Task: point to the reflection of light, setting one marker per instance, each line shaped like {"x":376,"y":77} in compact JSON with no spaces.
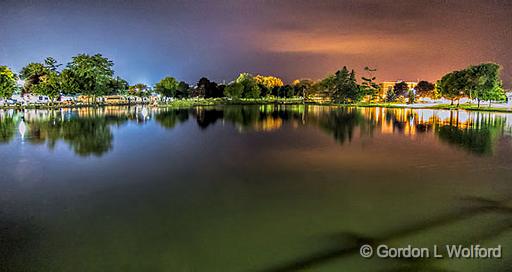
{"x":443,"y":115}
{"x":144,"y":113}
{"x":425,"y":115}
{"x":22,"y":128}
{"x":463,"y":116}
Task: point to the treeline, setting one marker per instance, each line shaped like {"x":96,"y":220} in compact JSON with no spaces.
{"x":92,"y":75}
{"x":480,"y":82}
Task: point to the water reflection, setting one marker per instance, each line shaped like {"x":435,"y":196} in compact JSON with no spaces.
{"x":7,"y":127}
{"x":88,"y":130}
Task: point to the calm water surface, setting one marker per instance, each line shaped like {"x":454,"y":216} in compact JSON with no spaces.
{"x":256,"y":188}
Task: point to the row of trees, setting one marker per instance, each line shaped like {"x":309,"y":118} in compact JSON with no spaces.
{"x":86,"y":74}
{"x":92,"y":75}
{"x":481,"y":82}
{"x":244,"y":86}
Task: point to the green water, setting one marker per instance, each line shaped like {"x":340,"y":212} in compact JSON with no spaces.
{"x":256,"y":188}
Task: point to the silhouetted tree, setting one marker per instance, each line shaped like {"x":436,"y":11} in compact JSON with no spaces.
{"x":425,"y":89}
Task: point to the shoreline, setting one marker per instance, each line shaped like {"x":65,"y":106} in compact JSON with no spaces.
{"x":187,"y":103}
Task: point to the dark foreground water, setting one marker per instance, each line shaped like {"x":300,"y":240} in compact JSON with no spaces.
{"x":259,"y":188}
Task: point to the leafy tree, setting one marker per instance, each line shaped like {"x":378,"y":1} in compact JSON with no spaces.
{"x":234,"y":90}
{"x":7,"y":82}
{"x":368,"y":86}
{"x":183,"y":90}
{"x":286,"y":91}
{"x":425,"y":89}
{"x":213,"y":90}
{"x":327,"y":85}
{"x":481,"y":82}
{"x":267,"y":83}
{"x":88,"y":75}
{"x":208,"y":89}
{"x":251,"y":89}
{"x":453,"y":85}
{"x":400,"y":89}
{"x":32,"y":74}
{"x":167,"y":87}
{"x":139,"y":89}
{"x":346,"y":88}
{"x":200,"y":89}
{"x":117,"y":85}
{"x":484,"y":82}
{"x":49,"y":85}
{"x":304,"y":87}
{"x":51,"y":64}
{"x":412,"y":97}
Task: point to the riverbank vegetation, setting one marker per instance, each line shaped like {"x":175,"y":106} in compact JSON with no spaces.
{"x":90,"y":80}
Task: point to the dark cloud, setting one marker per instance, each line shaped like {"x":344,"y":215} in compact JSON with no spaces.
{"x":292,"y":39}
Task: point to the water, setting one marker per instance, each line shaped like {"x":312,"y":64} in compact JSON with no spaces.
{"x":255,"y":188}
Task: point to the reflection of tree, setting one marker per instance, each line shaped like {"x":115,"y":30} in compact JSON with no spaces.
{"x":7,"y":128}
{"x":89,"y":135}
{"x":480,"y":137}
{"x":342,"y":122}
{"x":169,"y":118}
{"x":261,"y":118}
{"x":206,"y":117}
{"x":244,"y":116}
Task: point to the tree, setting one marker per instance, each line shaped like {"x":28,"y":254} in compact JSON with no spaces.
{"x":213,"y":90}
{"x":51,"y":64}
{"x":32,"y":74}
{"x":412,"y":97}
{"x":139,"y":89}
{"x":167,"y":87}
{"x":286,"y":91}
{"x":304,"y":87}
{"x":481,"y":82}
{"x":49,"y":85}
{"x":183,"y":90}
{"x":251,"y":89}
{"x":484,"y":82}
{"x":208,"y":89}
{"x":425,"y":89}
{"x":400,"y":89}
{"x":452,"y":86}
{"x":346,"y":87}
{"x":88,"y":75}
{"x":7,"y":82}
{"x":200,"y":89}
{"x":267,"y":83}
{"x":368,"y":86}
{"x":117,"y":86}
{"x":234,"y":90}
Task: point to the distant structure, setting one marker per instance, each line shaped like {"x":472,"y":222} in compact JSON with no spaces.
{"x":387,"y":86}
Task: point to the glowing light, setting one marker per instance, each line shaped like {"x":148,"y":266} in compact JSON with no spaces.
{"x":22,"y":128}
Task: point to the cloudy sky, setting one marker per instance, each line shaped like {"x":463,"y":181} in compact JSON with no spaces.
{"x":150,"y":39}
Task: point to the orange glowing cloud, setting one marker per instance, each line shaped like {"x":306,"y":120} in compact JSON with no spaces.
{"x":299,"y":42}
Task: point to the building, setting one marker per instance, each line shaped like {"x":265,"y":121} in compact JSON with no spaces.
{"x":387,"y":86}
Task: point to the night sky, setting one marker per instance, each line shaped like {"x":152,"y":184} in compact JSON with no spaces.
{"x":150,"y":39}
